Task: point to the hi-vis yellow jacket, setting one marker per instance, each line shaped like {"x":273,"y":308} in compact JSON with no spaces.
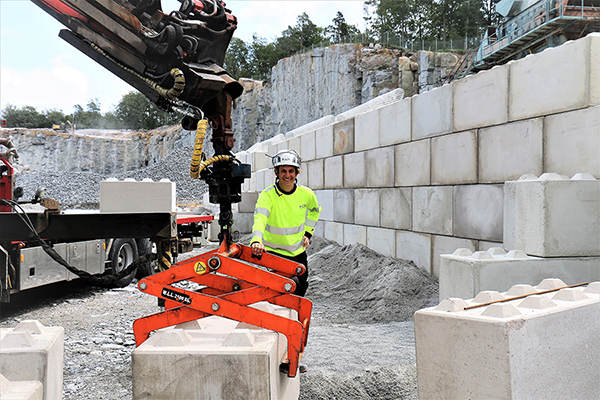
{"x":280,"y":219}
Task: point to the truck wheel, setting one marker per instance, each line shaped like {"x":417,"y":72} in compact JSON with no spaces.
{"x":122,"y":253}
{"x":145,"y":246}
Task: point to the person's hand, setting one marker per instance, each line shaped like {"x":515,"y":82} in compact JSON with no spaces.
{"x":305,"y":242}
{"x":257,"y":249}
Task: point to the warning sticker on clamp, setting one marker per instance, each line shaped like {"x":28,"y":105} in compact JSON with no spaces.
{"x":200,"y":268}
{"x":176,"y":296}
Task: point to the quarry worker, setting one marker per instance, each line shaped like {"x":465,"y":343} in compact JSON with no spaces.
{"x":285,"y":216}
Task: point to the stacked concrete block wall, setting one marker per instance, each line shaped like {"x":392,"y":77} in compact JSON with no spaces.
{"x":20,"y":390}
{"x":425,"y":175}
{"x":31,"y":352}
{"x":526,"y":343}
{"x":214,"y":358}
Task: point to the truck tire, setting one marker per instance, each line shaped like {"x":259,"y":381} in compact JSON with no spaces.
{"x":145,"y":246}
{"x":122,"y":253}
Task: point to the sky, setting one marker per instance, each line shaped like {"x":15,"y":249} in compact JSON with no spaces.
{"x":40,"y":69}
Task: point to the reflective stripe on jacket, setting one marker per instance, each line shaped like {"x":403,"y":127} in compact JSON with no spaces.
{"x":280,"y":219}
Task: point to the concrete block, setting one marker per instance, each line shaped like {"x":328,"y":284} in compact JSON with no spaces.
{"x":242,"y":222}
{"x":264,"y":178}
{"x":556,"y":86}
{"x":380,"y":167}
{"x":284,"y":145}
{"x":343,"y":206}
{"x":412,"y":163}
{"x":273,"y":149}
{"x":464,"y":273}
{"x":319,"y":229}
{"x":248,"y":202}
{"x":258,"y":160}
{"x":508,"y":151}
{"x":478,"y":211}
{"x":447,"y":245}
{"x":396,"y":208}
{"x":20,"y":390}
{"x":366,"y":207}
{"x":355,"y":170}
{"x":137,"y":196}
{"x":415,"y":247}
{"x":334,"y":172}
{"x":432,"y":113}
{"x":324,"y":142}
{"x":302,"y":179}
{"x":308,"y":146}
{"x":366,"y":130}
{"x":454,"y":159}
{"x":33,"y":352}
{"x":484,"y":245}
{"x":343,"y":137}
{"x":295,"y":144}
{"x":315,"y":174}
{"x":540,"y":347}
{"x":334,"y":231}
{"x":355,"y":234}
{"x":395,"y":123}
{"x":553,"y":216}
{"x":382,"y":240}
{"x":220,"y":348}
{"x":325,"y":198}
{"x":572,"y":142}
{"x":432,"y":209}
{"x":481,"y":99}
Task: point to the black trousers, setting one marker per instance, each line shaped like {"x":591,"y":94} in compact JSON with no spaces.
{"x":302,"y":284}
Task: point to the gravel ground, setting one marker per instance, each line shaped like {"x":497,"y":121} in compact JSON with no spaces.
{"x":349,"y":356}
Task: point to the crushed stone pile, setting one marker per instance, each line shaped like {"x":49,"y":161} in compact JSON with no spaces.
{"x":82,"y":189}
{"x":359,"y":285}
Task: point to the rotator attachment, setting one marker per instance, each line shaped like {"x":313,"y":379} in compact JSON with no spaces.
{"x":229,"y":294}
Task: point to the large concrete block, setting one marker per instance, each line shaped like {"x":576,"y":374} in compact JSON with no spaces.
{"x":366,"y":207}
{"x":355,"y":170}
{"x":395,"y":123}
{"x":334,"y":172}
{"x":396,"y":208}
{"x":572,"y":142}
{"x":324,"y":142}
{"x":464,"y":273}
{"x":355,"y":234}
{"x":334,"y":231}
{"x":302,"y":179}
{"x":478,"y":211}
{"x":543,"y":346}
{"x":553,"y":216}
{"x":295,"y":144}
{"x":222,"y":359}
{"x":366,"y":130}
{"x":415,"y":247}
{"x":308,"y":146}
{"x":20,"y":390}
{"x":248,"y":202}
{"x":544,"y":83}
{"x":130,"y":195}
{"x":259,"y":160}
{"x":432,"y":209}
{"x":432,"y":113}
{"x":508,"y":151}
{"x":382,"y":240}
{"x":454,"y":159}
{"x":343,"y":137}
{"x":380,"y":167}
{"x":325,"y":198}
{"x":315,"y":174}
{"x":447,"y":245}
{"x":33,"y":352}
{"x":481,"y":99}
{"x":412,"y":163}
{"x":343,"y":206}
{"x":242,"y":222}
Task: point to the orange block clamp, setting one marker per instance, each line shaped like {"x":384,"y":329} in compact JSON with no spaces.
{"x":230,"y":284}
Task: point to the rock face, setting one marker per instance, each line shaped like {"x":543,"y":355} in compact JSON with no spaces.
{"x":434,"y":68}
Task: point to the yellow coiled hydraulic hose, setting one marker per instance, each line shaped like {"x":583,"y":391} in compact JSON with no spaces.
{"x":213,"y":160}
{"x":198,"y":147}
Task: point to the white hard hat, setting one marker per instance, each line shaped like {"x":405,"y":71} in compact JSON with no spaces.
{"x":287,"y":157}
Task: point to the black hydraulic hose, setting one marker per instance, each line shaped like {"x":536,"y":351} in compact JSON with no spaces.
{"x":98,"y":280}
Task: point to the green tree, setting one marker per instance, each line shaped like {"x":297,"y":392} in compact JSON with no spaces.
{"x":340,"y":30}
{"x":25,"y":117}
{"x":263,"y":56}
{"x":237,"y":61}
{"x":304,"y":34}
{"x":90,"y":117}
{"x":55,"y":117}
{"x":135,"y":111}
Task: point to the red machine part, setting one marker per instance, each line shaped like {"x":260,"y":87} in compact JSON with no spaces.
{"x":229,"y":293}
{"x":7,"y":183}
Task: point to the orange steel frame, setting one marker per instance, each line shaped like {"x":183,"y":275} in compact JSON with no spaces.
{"x":231,"y":283}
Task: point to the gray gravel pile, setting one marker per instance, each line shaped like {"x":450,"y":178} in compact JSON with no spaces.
{"x":82,"y":189}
